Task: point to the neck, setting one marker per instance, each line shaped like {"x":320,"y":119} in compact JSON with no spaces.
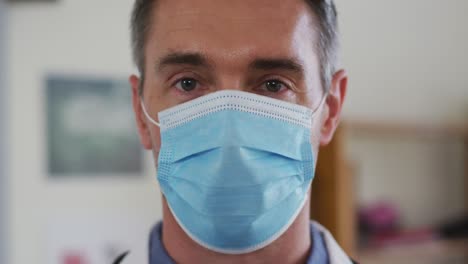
{"x":291,"y":248}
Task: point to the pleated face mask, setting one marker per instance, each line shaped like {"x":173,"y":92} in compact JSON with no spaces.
{"x":235,"y":168}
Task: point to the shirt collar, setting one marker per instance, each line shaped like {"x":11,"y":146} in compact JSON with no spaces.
{"x":158,"y":254}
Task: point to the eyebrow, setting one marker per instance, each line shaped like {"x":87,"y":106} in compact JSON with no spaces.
{"x":179,"y":58}
{"x":200,"y":60}
{"x":277,"y":64}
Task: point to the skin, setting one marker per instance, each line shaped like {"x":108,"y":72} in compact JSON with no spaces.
{"x":238,"y":45}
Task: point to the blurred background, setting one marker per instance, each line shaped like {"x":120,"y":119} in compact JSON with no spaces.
{"x":76,"y":188}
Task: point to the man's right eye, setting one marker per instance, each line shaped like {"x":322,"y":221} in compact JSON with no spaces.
{"x":186,"y":84}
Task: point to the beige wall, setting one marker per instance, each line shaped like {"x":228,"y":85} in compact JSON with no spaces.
{"x":84,"y":37}
{"x":406,"y":59}
{"x":3,"y":136}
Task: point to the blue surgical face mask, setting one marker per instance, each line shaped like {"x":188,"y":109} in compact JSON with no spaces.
{"x":235,"y":168}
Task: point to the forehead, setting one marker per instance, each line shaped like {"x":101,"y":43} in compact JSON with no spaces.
{"x":227,"y":28}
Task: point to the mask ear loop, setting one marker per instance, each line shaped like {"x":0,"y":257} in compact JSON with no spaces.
{"x":322,"y":102}
{"x":147,"y":115}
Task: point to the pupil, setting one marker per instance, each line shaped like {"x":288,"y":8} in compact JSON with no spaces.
{"x":188,"y":84}
{"x":273,"y":86}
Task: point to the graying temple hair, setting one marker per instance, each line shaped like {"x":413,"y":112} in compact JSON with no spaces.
{"x":327,"y":46}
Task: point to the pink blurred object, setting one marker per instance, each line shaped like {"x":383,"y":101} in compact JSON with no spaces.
{"x":379,"y":218}
{"x":74,"y":258}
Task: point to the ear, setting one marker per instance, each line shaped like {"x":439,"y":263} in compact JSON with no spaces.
{"x":333,"y":106}
{"x":142,"y":126}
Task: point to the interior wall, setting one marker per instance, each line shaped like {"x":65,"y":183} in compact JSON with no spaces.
{"x":407,"y":60}
{"x":3,"y":140}
{"x":84,"y":37}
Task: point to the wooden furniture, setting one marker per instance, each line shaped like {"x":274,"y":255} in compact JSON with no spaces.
{"x":466,"y":171}
{"x":332,"y":201}
{"x":445,"y":132}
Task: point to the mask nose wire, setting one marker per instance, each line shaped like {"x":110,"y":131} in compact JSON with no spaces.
{"x":147,"y":115}
{"x":314,"y":112}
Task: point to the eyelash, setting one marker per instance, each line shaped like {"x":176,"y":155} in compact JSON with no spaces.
{"x":262,"y":84}
{"x":286,"y":86}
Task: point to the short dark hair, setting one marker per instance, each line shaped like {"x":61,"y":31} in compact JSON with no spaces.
{"x":327,"y":45}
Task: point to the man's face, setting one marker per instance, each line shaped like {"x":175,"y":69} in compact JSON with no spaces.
{"x":199,"y":47}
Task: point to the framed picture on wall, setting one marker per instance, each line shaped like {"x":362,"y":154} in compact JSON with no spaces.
{"x":90,"y":127}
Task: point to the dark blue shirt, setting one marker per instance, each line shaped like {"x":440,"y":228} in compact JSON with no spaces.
{"x":158,"y":254}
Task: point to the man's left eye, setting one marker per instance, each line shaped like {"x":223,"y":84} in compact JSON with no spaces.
{"x":274,"y":86}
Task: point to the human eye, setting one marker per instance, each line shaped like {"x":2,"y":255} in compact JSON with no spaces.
{"x":187,"y":84}
{"x":274,"y":86}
